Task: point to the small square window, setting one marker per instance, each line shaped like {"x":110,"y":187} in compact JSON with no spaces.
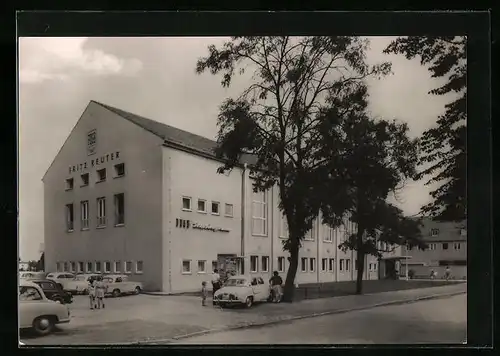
{"x":265,"y":264}
{"x":117,"y":266}
{"x":107,"y":267}
{"x":215,"y":208}
{"x":128,"y":267}
{"x":202,"y":206}
{"x":69,"y":183}
{"x":186,"y":266}
{"x":101,"y":175}
{"x":303,"y":264}
{"x":445,"y":245}
{"x":186,"y":203}
{"x":434,"y":232}
{"x":85,"y":179}
{"x":253,"y":263}
{"x":228,"y":211}
{"x":119,"y":170}
{"x":138,"y":267}
{"x":202,"y":265}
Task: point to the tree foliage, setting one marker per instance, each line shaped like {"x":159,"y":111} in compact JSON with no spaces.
{"x":444,"y":145}
{"x":279,"y":118}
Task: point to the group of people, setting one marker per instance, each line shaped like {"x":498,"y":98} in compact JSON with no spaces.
{"x":97,"y":289}
{"x":447,"y":273}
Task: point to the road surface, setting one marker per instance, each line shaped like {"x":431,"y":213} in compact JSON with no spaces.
{"x":433,"y":321}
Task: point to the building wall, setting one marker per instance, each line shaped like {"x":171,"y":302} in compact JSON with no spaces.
{"x":140,"y":238}
{"x":188,"y":175}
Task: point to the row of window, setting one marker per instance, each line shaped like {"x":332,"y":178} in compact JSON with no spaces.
{"x":101,"y":176}
{"x":435,"y":232}
{"x":444,"y":246}
{"x":202,"y":207}
{"x":100,"y":267}
{"x":119,"y":213}
{"x":201,"y":267}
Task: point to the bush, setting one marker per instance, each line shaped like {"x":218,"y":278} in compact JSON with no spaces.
{"x":411,"y":274}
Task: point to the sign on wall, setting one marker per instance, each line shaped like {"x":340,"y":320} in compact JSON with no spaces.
{"x":186,"y":224}
{"x":91,"y":142}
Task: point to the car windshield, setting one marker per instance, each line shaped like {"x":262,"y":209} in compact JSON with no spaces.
{"x":232,"y":282}
{"x":28,"y":294}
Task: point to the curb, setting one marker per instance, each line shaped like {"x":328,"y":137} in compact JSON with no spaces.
{"x":299,"y":317}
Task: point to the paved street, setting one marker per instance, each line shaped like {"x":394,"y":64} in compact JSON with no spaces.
{"x":433,"y":321}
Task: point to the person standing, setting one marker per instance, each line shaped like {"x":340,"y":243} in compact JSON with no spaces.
{"x":100,"y":291}
{"x":204,"y":292}
{"x":447,"y":273}
{"x":215,"y":281}
{"x":276,"y":283}
{"x":91,"y":290}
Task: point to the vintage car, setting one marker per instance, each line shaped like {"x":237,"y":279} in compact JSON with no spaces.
{"x":38,"y":313}
{"x":61,"y":278}
{"x":80,"y":284}
{"x":53,"y":291}
{"x":242,"y":290}
{"x":25,"y":275}
{"x":119,"y":284}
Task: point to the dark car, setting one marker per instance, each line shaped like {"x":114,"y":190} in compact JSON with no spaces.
{"x":53,"y":291}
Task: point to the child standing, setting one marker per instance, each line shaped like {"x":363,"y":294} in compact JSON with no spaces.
{"x":204,"y":293}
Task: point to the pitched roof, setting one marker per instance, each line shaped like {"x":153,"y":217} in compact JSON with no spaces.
{"x":173,"y":135}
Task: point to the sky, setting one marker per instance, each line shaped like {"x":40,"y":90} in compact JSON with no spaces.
{"x":155,"y":78}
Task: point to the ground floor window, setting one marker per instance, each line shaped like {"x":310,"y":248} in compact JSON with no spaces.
{"x":281,"y":264}
{"x":324,"y":264}
{"x":265,"y":263}
{"x":117,"y":266}
{"x":98,"y":267}
{"x":89,"y":267}
{"x":331,"y":264}
{"x":128,"y":267}
{"x":186,"y":266}
{"x":80,"y":267}
{"x":202,"y":268}
{"x":347,"y":265}
{"x":66,"y":267}
{"x":215,"y":265}
{"x":139,"y":267}
{"x":303,"y":264}
{"x":107,"y":267}
{"x":58,"y":267}
{"x":312,"y":264}
{"x":73,"y":267}
{"x":253,"y":263}
{"x":341,"y":264}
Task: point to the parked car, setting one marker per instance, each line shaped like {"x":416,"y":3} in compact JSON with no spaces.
{"x":242,"y":290}
{"x":31,"y":275}
{"x":38,"y":313}
{"x":53,"y":291}
{"x":61,"y":278}
{"x":119,"y":284}
{"x":80,"y":284}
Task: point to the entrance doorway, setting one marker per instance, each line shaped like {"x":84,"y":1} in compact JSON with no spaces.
{"x":390,"y":269}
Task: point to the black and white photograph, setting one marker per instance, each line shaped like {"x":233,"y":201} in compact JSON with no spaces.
{"x":211,"y":190}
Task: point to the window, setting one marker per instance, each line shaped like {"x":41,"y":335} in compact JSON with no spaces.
{"x":69,"y":217}
{"x":117,"y":266}
{"x":374,"y":266}
{"x":202,"y":206}
{"x":341,"y":266}
{"x":356,"y":264}
{"x":202,"y":266}
{"x":84,"y":214}
{"x":215,"y":265}
{"x":89,"y":267}
{"x":73,"y":267}
{"x":265,"y":264}
{"x":370,"y":266}
{"x":310,"y":234}
{"x":253,"y":263}
{"x":119,"y":209}
{"x":66,"y":267}
{"x":29,"y":294}
{"x":215,"y":208}
{"x":281,"y":264}
{"x":259,"y":214}
{"x":456,"y":246}
{"x":432,"y":247}
{"x":119,"y":170}
{"x":107,"y":267}
{"x":98,"y":267}
{"x":331,"y":264}
{"x":58,"y":267}
{"x":80,"y":267}
{"x":283,"y":229}
{"x":327,"y":233}
{"x":101,"y":175}
{"x":303,"y":264}
{"x":85,"y":179}
{"x":324,"y":264}
{"x":434,"y":232}
{"x":347,"y":264}
{"x":128,"y":267}
{"x":228,"y":210}
{"x":409,"y":247}
{"x":138,"y":267}
{"x":463,"y":232}
{"x":69,"y":184}
{"x":312,"y":264}
{"x":186,"y":203}
{"x":101,"y":212}
{"x":445,"y":245}
{"x":186,"y":266}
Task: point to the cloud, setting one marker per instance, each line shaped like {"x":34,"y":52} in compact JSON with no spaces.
{"x":42,"y":59}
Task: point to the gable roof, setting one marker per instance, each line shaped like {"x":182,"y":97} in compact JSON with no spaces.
{"x":172,"y":135}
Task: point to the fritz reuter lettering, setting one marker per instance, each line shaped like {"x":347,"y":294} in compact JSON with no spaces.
{"x":108,"y":157}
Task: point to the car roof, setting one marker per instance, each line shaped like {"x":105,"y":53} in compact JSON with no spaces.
{"x":41,"y":280}
{"x":28,"y":284}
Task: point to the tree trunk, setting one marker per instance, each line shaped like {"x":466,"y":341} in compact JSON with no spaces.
{"x":289,"y":289}
{"x":360,"y":261}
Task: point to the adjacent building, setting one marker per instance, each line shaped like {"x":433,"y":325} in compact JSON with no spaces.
{"x":130,"y":195}
{"x":447,"y":246}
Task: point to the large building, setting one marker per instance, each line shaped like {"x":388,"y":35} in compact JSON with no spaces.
{"x":447,"y":246}
{"x":131,"y":195}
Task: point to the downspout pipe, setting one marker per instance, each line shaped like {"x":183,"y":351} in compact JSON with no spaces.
{"x":243,"y":203}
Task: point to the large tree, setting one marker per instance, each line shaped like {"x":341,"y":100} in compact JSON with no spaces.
{"x":278,"y":116}
{"x":369,"y":160}
{"x":444,"y":145}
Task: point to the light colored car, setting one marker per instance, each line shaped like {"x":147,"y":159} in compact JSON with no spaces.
{"x":244,"y":290}
{"x":37,"y":312}
{"x":80,"y":284}
{"x":61,"y":278}
{"x":31,"y":275}
{"x":119,"y":284}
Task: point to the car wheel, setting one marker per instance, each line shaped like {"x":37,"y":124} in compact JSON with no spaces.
{"x":116,"y":293}
{"x":43,"y":325}
{"x":137,"y":290}
{"x":249,"y":302}
{"x":58,"y":300}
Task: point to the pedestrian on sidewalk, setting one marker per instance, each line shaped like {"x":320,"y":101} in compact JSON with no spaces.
{"x":91,"y":290}
{"x":215,"y":281}
{"x":204,"y":293}
{"x":100,"y":291}
{"x":276,"y":283}
{"x":447,"y":273}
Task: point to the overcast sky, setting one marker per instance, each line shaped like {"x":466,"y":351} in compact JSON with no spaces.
{"x":155,"y":78}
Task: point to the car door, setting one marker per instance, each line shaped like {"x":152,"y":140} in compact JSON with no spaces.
{"x":255,"y":289}
{"x":29,"y":305}
{"x":263,"y":289}
{"x":48,"y":288}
